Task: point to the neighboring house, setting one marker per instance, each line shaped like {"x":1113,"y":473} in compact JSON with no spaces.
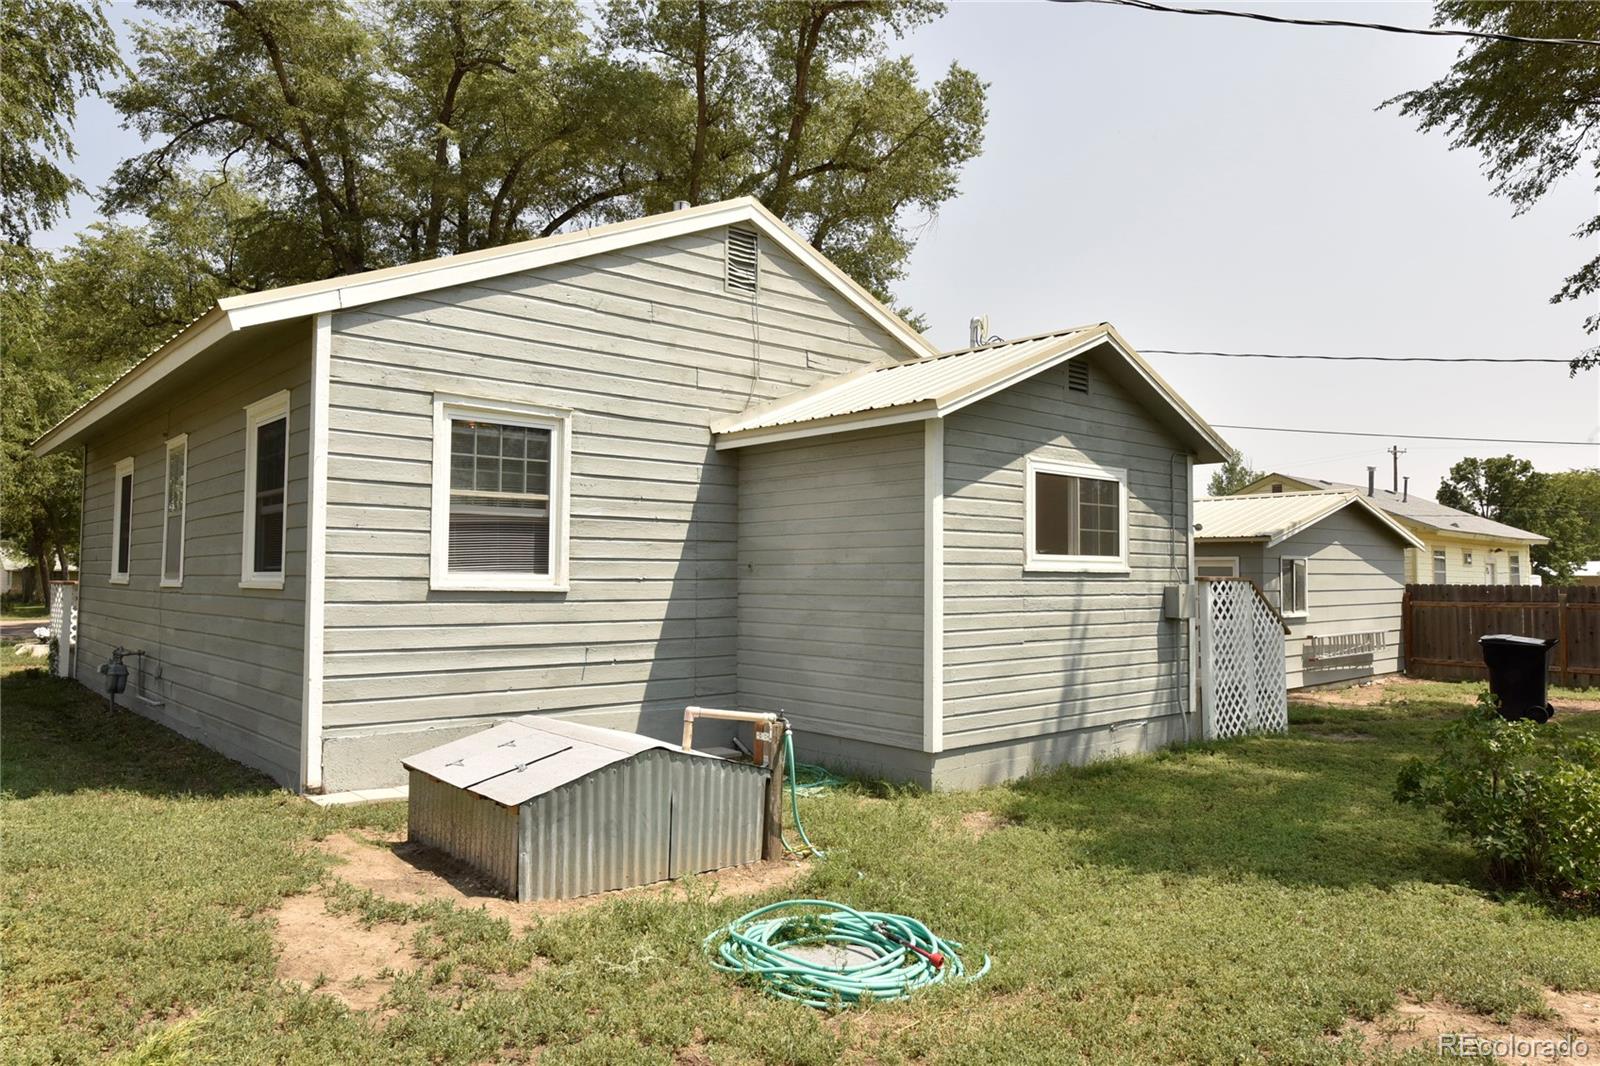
{"x":1333,"y":563}
{"x":19,"y":574}
{"x":608,"y":474}
{"x":1458,"y":548}
{"x":1588,"y":573}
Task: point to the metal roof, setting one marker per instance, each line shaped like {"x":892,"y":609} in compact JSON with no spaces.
{"x":528,"y":756}
{"x":1275,"y":517}
{"x":236,"y":313}
{"x":1421,"y":510}
{"x":940,"y":385}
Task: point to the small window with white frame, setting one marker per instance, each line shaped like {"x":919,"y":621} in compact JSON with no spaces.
{"x":174,"y":512}
{"x":1466,"y":557}
{"x":1216,"y":566}
{"x":1441,"y":567}
{"x":1076,"y":518}
{"x":122,"y":521}
{"x":266,"y":492}
{"x":500,"y":474}
{"x":1292,"y":585}
{"x":1516,"y":567}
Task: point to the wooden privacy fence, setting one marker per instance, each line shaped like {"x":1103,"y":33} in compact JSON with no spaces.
{"x":1441,"y":624}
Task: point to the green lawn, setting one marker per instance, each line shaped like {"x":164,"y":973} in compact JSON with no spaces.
{"x":1230,"y":903}
{"x":18,"y":612}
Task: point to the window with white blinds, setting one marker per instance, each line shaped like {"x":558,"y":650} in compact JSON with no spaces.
{"x":499,"y":497}
{"x":172,"y":526}
{"x":1076,"y":517}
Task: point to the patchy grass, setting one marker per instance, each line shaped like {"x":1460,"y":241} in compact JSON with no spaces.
{"x":19,"y":612}
{"x":1234,"y":902}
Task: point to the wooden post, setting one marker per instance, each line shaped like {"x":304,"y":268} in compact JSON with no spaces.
{"x":1407,"y":637}
{"x":1562,"y":658}
{"x":772,"y":841}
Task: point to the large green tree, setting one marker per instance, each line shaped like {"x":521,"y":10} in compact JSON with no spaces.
{"x":1531,"y":111}
{"x":1233,"y":475}
{"x":405,"y":129}
{"x":52,"y":52}
{"x":1508,"y":489}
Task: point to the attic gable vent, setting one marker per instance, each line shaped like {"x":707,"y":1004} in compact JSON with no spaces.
{"x":1078,"y":375}
{"x":742,"y":261}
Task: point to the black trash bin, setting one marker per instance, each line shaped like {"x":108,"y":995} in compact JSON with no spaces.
{"x":1519,"y":669}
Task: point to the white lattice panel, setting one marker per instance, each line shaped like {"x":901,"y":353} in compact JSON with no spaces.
{"x":1243,"y":687}
{"x":64,"y":624}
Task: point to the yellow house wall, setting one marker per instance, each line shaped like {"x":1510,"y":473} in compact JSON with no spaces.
{"x":1419,"y":564}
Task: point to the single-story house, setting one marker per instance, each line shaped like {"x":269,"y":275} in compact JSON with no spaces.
{"x":1458,"y":547}
{"x":678,"y":460}
{"x":1333,"y":562}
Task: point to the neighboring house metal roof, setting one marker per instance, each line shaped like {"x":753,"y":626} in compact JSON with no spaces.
{"x":528,"y":756}
{"x":237,"y":313}
{"x":1275,"y":517}
{"x":1414,"y":508}
{"x":889,"y":393}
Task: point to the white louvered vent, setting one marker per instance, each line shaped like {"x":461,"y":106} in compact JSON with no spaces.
{"x":743,"y":273}
{"x":1078,"y":376}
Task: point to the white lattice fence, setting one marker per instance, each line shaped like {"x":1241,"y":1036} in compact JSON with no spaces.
{"x":64,"y":624}
{"x":1242,"y":684}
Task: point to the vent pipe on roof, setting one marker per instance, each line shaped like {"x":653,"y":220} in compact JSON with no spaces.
{"x":1405,"y":488}
{"x":1372,"y":481}
{"x":978,"y":330}
{"x":680,"y":205}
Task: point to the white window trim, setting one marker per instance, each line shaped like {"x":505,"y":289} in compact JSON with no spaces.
{"x":559,"y":422}
{"x":124,"y":468}
{"x":267,"y":409}
{"x":180,"y":441}
{"x":1074,"y":564}
{"x":1439,"y":556}
{"x":1306,"y":592}
{"x":1217,"y":560}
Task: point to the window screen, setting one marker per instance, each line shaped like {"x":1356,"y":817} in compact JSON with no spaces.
{"x":499,"y":497}
{"x":172,"y":534}
{"x":1441,"y":567}
{"x":1216,"y":567}
{"x":1293,"y":587}
{"x":124,"y":521}
{"x":1076,"y":516}
{"x":271,"y":476}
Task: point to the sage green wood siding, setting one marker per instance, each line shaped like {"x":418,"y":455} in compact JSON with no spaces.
{"x":1355,"y":577}
{"x":1028,"y":654}
{"x":231,"y":659}
{"x":830,"y":584}
{"x":646,"y":348}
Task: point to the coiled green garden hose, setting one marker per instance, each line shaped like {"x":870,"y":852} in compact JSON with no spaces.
{"x":895,"y":955}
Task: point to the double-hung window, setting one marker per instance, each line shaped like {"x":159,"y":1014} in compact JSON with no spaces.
{"x":266,"y":489}
{"x":122,"y":521}
{"x":1516,"y":568}
{"x":1292,"y":585}
{"x":1441,"y":567}
{"x":499,"y":496}
{"x":1076,"y":517}
{"x":173,"y":515}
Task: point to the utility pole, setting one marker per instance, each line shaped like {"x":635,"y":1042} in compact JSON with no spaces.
{"x":1396,"y":451}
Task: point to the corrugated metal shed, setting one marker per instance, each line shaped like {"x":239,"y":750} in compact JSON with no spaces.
{"x":1276,"y":517}
{"x":550,"y":809}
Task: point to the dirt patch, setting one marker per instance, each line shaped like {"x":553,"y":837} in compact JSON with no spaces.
{"x":1365,"y":694}
{"x":1414,"y":1026}
{"x":410,"y":873}
{"x":1337,"y":738}
{"x":982,"y":823}
{"x":336,"y":954}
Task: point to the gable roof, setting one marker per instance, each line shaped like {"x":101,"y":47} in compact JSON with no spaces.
{"x":887,"y":393}
{"x":253,"y":310}
{"x":1418,"y":510}
{"x":1275,"y":517}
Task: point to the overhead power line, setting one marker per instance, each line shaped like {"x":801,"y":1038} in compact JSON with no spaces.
{"x":1409,"y":436}
{"x":1364,"y":358}
{"x":1382,"y":27}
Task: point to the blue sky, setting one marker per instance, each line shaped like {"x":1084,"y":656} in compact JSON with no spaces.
{"x":1210,"y":183}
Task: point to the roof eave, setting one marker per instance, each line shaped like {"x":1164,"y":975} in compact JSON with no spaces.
{"x":197,"y":337}
{"x":874,"y":418}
